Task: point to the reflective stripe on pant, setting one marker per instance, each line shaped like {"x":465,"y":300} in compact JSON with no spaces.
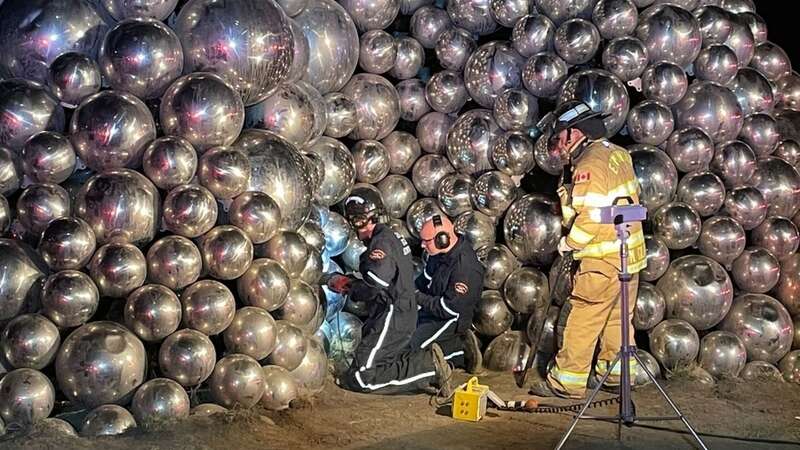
{"x":594,"y":315}
{"x":442,"y":332}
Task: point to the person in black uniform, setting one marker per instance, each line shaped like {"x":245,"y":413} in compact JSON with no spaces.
{"x":383,"y":361}
{"x":448,"y":292}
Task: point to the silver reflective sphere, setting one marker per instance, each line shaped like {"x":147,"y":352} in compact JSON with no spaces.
{"x":717,"y":63}
{"x":287,"y":248}
{"x":674,"y":343}
{"x":532,"y":228}
{"x":428,"y":24}
{"x":265,"y":284}
{"x":203,"y":109}
{"x":516,"y":109}
{"x":411,"y":94}
{"x":237,"y":380}
{"x":446,"y":92}
{"x":470,"y":140}
{"x":526,"y":290}
{"x":290,"y":348}
{"x":454,"y":47}
{"x":657,"y":176}
{"x":67,"y":243}
{"x":771,"y":60}
{"x":508,"y":12}
{"x":257,"y":215}
{"x":778,"y":235}
{"x":543,"y":74}
{"x":278,"y":170}
{"x":60,"y":426}
{"x":533,"y":34}
{"x":337,"y":233}
{"x":174,"y":262}
{"x":189,"y":210}
{"x":506,"y":352}
{"x":371,"y":159}
{"x":650,"y":307}
{"x":123,"y":9}
{"x":153,"y":312}
{"x":187,"y":356}
{"x":788,"y":150}
{"x":696,"y":289}
{"x":208,"y":307}
{"x":227,"y":252}
{"x":650,"y":122}
{"x":398,"y":193}
{"x":100,"y":362}
{"x":454,"y":194}
{"x":251,"y":333}
{"x":722,"y":354}
{"x":640,"y":377}
{"x":69,"y":298}
{"x":311,"y":373}
{"x":715,"y":24}
{"x":615,"y":18}
{"x":159,"y":400}
{"x":224,"y":171}
{"x":371,"y":15}
{"x":787,"y":290}
{"x":377,"y":106}
{"x":577,"y":41}
{"x":603,"y":91}
{"x":760,"y":371}
{"x":721,"y":239}
{"x":670,"y":33}
{"x":141,"y":56}
{"x":340,"y":173}
{"x":657,"y":259}
{"x":665,"y":82}
{"x":625,"y":57}
{"x":763,"y":324}
{"x":73,"y":77}
{"x":498,"y":262}
{"x":341,"y":112}
{"x":27,"y":108}
{"x":118,"y":268}
{"x":23,"y":271}
{"x":559,"y":11}
{"x":493,"y":68}
{"x":493,"y":192}
{"x":419,"y":212}
{"x":789,"y":366}
{"x":107,"y":420}
{"x":756,"y":271}
{"x":207,"y":409}
{"x":788,"y":91}
{"x":5,"y":215}
{"x":712,"y":108}
{"x":741,"y":40}
{"x":169,"y":162}
{"x":10,"y":171}
{"x":410,"y":58}
{"x":378,"y":51}
{"x":30,"y":341}
{"x":428,"y":171}
{"x":747,"y":206}
{"x":404,"y":149}
{"x":48,"y":157}
{"x":119,"y":204}
{"x":734,"y":162}
{"x":300,"y":306}
{"x":280,"y":388}
{"x":780,"y":184}
{"x":295,"y":112}
{"x":703,"y":191}
{"x":478,"y":227}
{"x":513,"y":153}
{"x":760,"y":132}
{"x":492,"y":315}
{"x":473,"y":15}
{"x":677,"y":224}
{"x":333,"y":45}
{"x":432,"y":131}
{"x":38,"y":205}
{"x":753,"y":91}
{"x":26,"y":396}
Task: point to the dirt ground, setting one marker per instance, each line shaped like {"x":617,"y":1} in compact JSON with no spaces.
{"x":765,"y":411}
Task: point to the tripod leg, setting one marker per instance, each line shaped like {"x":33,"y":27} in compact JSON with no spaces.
{"x":589,"y":401}
{"x":670,"y":402}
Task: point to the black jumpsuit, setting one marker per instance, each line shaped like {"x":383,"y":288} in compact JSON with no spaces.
{"x":449,"y":290}
{"x":383,"y":361}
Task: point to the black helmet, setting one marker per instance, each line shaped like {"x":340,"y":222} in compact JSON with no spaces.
{"x":364,"y":204}
{"x":577,"y":114}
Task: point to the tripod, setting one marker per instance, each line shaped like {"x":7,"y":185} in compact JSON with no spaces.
{"x":621,"y":217}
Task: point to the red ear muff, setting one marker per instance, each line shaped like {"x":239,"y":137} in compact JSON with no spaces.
{"x":442,"y":239}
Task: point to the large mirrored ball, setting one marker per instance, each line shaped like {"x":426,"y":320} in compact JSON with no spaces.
{"x":67,"y":243}
{"x":428,"y":171}
{"x":454,"y":47}
{"x":398,"y":193}
{"x":741,"y":40}
{"x":715,"y":23}
{"x":763,"y":324}
{"x":237,"y":380}
{"x":413,"y":102}
{"x":169,"y":161}
{"x":432,"y":131}
{"x":377,"y":106}
{"x":703,"y":191}
{"x":674,"y":343}
{"x":48,"y":157}
{"x":789,"y":366}
{"x":559,"y":11}
{"x":251,"y":333}
{"x":780,"y":184}
{"x":69,"y":298}
{"x":470,"y":141}
{"x":712,"y":108}
{"x":717,"y":63}
{"x":665,"y":82}
{"x":107,"y":420}
{"x":371,"y":159}
{"x":11,"y":173}
{"x":639,"y":375}
{"x":26,"y":396}
{"x":493,"y":192}
{"x":498,"y":263}
{"x":760,"y":371}
{"x":208,"y":307}
{"x":722,"y":354}
{"x":492,"y":315}
{"x":445,"y":92}
{"x":174,"y":261}
{"x":454,"y":194}
{"x":526,"y":290}
{"x":650,"y":122}
{"x":753,"y":91}
{"x":187,"y":356}
{"x":371,"y":15}
{"x":341,"y":112}
{"x":756,"y":271}
{"x":38,"y":205}
{"x":100,"y":362}
{"x":690,"y":149}
{"x":256,"y":214}
{"x":378,"y":50}
{"x":747,"y":206}
{"x":311,"y":373}
{"x":296,"y":112}
{"x":27,"y":109}
{"x":265,"y":284}
{"x":473,"y":15}
{"x":670,"y":33}
{"x":493,"y":68}
{"x":657,"y":176}
{"x":771,"y":60}
{"x":189,"y":210}
{"x":513,"y":153}
{"x":410,"y":58}
{"x":280,"y":388}
{"x":119,"y":204}
{"x":698,"y":290}
{"x":734,"y":162}
{"x":787,"y":290}
{"x":625,"y":57}
{"x":615,"y":18}
{"x":118,"y":268}
{"x":543,"y":74}
{"x":23,"y":271}
{"x":477,"y":226}
{"x":650,"y":307}
{"x":340,"y":173}
{"x":300,"y":306}
{"x":657,"y":258}
{"x":516,"y":109}
{"x":677,"y":224}
{"x":604,"y":92}
{"x":533,"y":34}
{"x":287,"y":248}
{"x":788,"y":150}
{"x":160,"y":400}
{"x":73,"y":77}
{"x":577,"y":41}
{"x":290,"y":347}
{"x":507,"y":352}
{"x":30,"y":340}
{"x":778,"y":235}
{"x":153,"y":312}
{"x":722,"y":239}
{"x":224,"y":171}
{"x":532,"y":228}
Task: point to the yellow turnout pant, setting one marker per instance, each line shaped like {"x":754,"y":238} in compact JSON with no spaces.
{"x":595,"y":315}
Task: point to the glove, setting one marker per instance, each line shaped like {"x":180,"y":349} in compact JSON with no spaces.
{"x":563,"y":247}
{"x":567,"y":212}
{"x":339,"y":284}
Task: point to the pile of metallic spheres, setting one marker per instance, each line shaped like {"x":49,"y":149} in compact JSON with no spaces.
{"x":171,"y":175}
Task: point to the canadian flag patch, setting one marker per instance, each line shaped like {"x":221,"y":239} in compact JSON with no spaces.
{"x":461,"y":288}
{"x":377,"y":254}
{"x":582,"y":177}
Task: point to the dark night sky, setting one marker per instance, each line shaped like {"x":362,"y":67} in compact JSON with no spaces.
{"x":782,"y":25}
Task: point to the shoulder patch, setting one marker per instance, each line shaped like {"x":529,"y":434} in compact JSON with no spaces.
{"x":582,"y":177}
{"x":377,"y":254}
{"x":461,"y":288}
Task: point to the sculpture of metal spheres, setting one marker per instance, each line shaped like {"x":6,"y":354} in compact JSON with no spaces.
{"x":153,"y":312}
{"x":159,"y":400}
{"x":67,"y":243}
{"x":251,"y":333}
{"x":722,"y":354}
{"x":208,"y":307}
{"x":698,"y":290}
{"x":763,"y":324}
{"x":26,"y":396}
{"x":30,"y":341}
{"x":279,"y":388}
{"x":492,"y":315}
{"x":187,"y":356}
{"x":69,"y":298}
{"x":674,"y":343}
{"x":237,"y":380}
{"x":118,"y":268}
{"x":73,"y":77}
{"x":174,"y":261}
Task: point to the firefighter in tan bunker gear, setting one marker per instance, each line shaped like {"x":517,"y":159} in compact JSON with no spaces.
{"x":601,"y":173}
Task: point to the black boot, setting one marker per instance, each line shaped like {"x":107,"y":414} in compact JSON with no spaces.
{"x":443,"y":371}
{"x":473,"y":359}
